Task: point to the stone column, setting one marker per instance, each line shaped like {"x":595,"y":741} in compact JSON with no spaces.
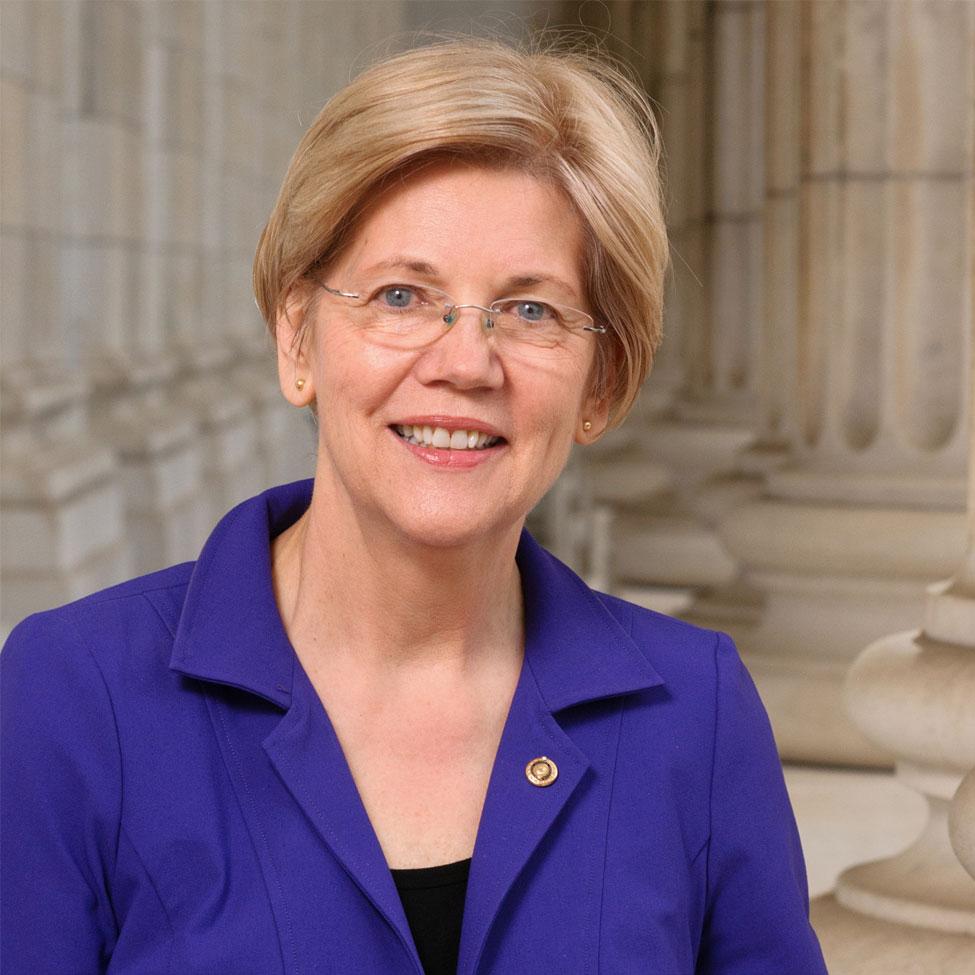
{"x":579,"y":514}
{"x":285,"y":438}
{"x":133,"y":371}
{"x":60,"y":498}
{"x":665,"y":53}
{"x":871,"y":508}
{"x":665,"y":538}
{"x":911,"y":693}
{"x":226,"y":228}
{"x":738,"y":604}
{"x":667,"y":37}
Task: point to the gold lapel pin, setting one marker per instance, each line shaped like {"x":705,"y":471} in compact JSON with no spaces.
{"x":541,"y":771}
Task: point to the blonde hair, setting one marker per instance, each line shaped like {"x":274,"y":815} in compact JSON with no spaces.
{"x":562,"y":115}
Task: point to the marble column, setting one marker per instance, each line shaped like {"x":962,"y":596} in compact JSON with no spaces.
{"x":577,"y":518}
{"x":60,"y":495}
{"x":217,"y":380}
{"x":284,"y":441}
{"x":871,"y":507}
{"x":680,"y":90}
{"x":911,"y":693}
{"x":737,"y":604}
{"x":664,"y":540}
{"x":134,"y":370}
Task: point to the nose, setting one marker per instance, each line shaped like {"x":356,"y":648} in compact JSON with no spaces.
{"x":465,"y":355}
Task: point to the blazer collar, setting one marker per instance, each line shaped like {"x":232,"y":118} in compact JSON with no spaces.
{"x":230,"y":631}
{"x":576,"y":648}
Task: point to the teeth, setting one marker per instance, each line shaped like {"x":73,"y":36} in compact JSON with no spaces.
{"x":427,"y":436}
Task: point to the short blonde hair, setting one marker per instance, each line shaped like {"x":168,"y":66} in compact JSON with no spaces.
{"x":561,"y":114}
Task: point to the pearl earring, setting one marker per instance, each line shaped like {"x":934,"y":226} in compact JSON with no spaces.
{"x":300,"y":384}
{"x":587,"y":426}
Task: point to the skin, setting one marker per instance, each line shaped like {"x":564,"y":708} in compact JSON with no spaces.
{"x":398,"y":587}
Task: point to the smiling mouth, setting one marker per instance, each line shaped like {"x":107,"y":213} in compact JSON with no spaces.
{"x":443,"y":439}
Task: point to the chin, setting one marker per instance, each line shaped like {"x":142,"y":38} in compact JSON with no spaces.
{"x":437,"y":528}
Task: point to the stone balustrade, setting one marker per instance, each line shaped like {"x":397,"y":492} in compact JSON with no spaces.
{"x":911,"y":693}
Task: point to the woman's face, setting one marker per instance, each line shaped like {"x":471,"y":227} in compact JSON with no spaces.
{"x":471,"y":232}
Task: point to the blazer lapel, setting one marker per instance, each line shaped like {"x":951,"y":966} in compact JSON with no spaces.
{"x":230,"y":633}
{"x":516,"y":814}
{"x":575,"y":651}
{"x":307,"y":755}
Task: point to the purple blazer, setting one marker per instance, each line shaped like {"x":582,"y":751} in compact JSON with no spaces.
{"x":175,"y":799}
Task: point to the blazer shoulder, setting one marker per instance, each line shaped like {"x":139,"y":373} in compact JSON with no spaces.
{"x":674,"y":647}
{"x":106,"y":623}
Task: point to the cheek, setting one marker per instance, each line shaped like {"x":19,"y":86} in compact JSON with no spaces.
{"x":558,"y":396}
{"x":555,"y":407}
{"x":355,"y":377}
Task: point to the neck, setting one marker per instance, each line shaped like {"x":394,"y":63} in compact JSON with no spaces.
{"x":352,"y":594}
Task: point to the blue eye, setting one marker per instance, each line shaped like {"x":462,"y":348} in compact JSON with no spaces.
{"x":532,"y":311}
{"x":397,"y":297}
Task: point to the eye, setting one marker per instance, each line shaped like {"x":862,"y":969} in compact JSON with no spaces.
{"x":531,"y":311}
{"x":398,"y":296}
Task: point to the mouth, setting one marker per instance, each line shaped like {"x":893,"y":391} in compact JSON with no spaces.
{"x":441,"y":438}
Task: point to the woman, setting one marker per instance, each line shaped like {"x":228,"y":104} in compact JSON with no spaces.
{"x":376,"y":728}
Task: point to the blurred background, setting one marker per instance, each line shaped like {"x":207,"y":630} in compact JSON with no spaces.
{"x":798,"y":469}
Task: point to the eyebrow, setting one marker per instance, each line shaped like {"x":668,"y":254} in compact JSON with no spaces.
{"x":406,"y":263}
{"x":530,"y":280}
{"x":516,"y":281}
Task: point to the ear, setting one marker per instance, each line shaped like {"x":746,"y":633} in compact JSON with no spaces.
{"x":292,"y":335}
{"x":595,"y":413}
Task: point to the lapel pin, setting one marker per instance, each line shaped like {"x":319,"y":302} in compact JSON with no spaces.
{"x":541,"y":771}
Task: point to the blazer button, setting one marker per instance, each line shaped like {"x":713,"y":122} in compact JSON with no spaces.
{"x":541,"y":771}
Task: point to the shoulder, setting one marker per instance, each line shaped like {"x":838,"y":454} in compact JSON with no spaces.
{"x":708,"y":682}
{"x":679,"y":651}
{"x":105,"y":628}
{"x":681,"y":665}
{"x":648,"y":623}
{"x":146,"y":596}
{"x":702,"y":671}
{"x":74,"y":677}
{"x":564,"y":603}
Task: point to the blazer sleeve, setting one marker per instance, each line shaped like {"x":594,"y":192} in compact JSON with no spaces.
{"x":757,"y":915}
{"x":60,"y":801}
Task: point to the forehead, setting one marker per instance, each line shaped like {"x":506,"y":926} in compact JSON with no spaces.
{"x":472,"y":224}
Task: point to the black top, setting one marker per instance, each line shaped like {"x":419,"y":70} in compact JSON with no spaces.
{"x":433,"y":898}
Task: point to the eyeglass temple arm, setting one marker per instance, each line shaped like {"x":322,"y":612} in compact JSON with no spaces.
{"x":341,"y":294}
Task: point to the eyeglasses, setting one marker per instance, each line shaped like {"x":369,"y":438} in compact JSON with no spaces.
{"x":410,"y":316}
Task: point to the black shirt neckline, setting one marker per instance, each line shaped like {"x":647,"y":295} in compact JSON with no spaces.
{"x":433,"y":899}
{"x":427,"y":878}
